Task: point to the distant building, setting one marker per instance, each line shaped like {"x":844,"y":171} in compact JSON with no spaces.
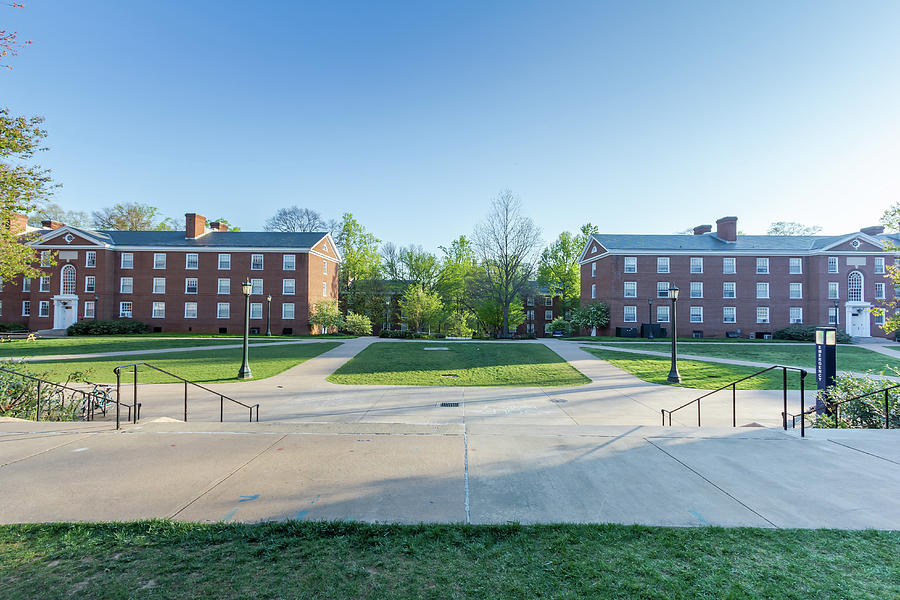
{"x":541,"y":308}
{"x":747,"y":285}
{"x":174,"y":280}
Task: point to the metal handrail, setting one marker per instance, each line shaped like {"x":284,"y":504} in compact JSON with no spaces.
{"x":733,"y":386}
{"x":222,"y":397}
{"x":84,"y":395}
{"x":835,"y":408}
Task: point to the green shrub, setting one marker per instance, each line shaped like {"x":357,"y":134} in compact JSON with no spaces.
{"x":591,"y":315}
{"x":14,"y":326}
{"x":560,"y":324}
{"x":116,"y":327}
{"x":865,"y":413}
{"x":19,"y":396}
{"x":357,"y":324}
{"x":806,"y":333}
{"x":457,"y":325}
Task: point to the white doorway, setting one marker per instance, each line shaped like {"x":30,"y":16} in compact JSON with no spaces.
{"x":858,"y":319}
{"x":65,"y":311}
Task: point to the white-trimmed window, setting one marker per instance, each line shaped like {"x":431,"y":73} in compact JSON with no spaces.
{"x":832,"y":264}
{"x":879,"y":319}
{"x":762,"y":290}
{"x":729,"y":289}
{"x":630,"y":265}
{"x":729,"y":314}
{"x":90,"y":258}
{"x":223,"y":310}
{"x":529,"y":327}
{"x":125,"y":310}
{"x":855,"y":287}
{"x":159,"y":285}
{"x":224,"y":262}
{"x":762,"y":314}
{"x":696,"y":314}
{"x":879,"y":291}
{"x":324,"y":267}
{"x":548,"y":300}
{"x":256,"y":310}
{"x":44,"y":283}
{"x":662,"y":289}
{"x":879,"y":265}
{"x":159,"y":310}
{"x":529,"y":315}
{"x":796,"y":314}
{"x":44,"y":308}
{"x":287,"y":310}
{"x":256,"y":262}
{"x":45,"y":258}
{"x":324,"y":289}
{"x":68,"y":283}
{"x":90,"y":309}
{"x":594,"y":269}
{"x":191,"y":261}
{"x":127,"y":261}
{"x":696,"y":289}
{"x":90,"y":284}
{"x":593,"y":291}
{"x":662,"y":313}
{"x":26,"y":284}
{"x":662,"y":264}
{"x":159,"y":260}
{"x":762,"y":266}
{"x":224,"y":286}
{"x":256,"y":287}
{"x":795,"y":291}
{"x":832,"y":316}
{"x":631,"y":289}
{"x":190,"y":310}
{"x":728,"y":266}
{"x":288,"y":287}
{"x":126,"y":285}
{"x":833,"y":290}
{"x":288,"y":262}
{"x":795,"y":266}
{"x":548,"y":315}
{"x":26,"y":308}
{"x":191,"y":285}
{"x":696,"y":264}
{"x":630,"y":314}
{"x":547,"y":325}
{"x":529,"y":301}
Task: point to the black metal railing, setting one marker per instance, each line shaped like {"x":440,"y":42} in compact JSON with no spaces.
{"x":833,"y":409}
{"x":90,"y":399}
{"x":222,"y":397}
{"x":733,"y":387}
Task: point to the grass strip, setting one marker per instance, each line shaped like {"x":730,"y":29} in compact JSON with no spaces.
{"x":162,"y":559}
{"x":81,"y":345}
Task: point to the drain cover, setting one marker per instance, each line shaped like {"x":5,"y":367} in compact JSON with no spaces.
{"x":449,"y":404}
{"x":558,"y":400}
{"x":449,"y":375}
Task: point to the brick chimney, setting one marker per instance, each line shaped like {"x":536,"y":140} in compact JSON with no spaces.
{"x":217,"y":226}
{"x":701,"y":229}
{"x":194,"y":225}
{"x":726,"y":229}
{"x":48,"y":224}
{"x":874,"y":230}
{"x":18,"y":224}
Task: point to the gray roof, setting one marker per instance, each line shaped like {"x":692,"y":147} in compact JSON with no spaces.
{"x":213,"y":239}
{"x":709,"y":242}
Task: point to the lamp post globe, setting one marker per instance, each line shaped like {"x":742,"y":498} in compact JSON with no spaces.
{"x":269,"y":314}
{"x":244,"y":372}
{"x":674,"y":375}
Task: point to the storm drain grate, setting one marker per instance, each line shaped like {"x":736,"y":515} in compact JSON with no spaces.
{"x":451,"y":375}
{"x":558,"y":400}
{"x":449,"y":404}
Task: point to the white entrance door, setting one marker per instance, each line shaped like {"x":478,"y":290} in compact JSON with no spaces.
{"x":65,"y":312}
{"x":858,"y":321}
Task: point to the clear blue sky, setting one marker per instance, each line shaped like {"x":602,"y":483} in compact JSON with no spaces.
{"x":637,"y":116}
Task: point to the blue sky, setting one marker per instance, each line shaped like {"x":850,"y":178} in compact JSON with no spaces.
{"x":637,"y":116}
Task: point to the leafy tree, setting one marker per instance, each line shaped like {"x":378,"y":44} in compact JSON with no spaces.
{"x":497,"y":321}
{"x":507,"y":247}
{"x":421,"y":307}
{"x":22,"y":186}
{"x":326,"y":315}
{"x":55,"y":212}
{"x":792,"y":228}
{"x":362,"y":261}
{"x":358,"y":324}
{"x":457,"y":324}
{"x":294,"y":218}
{"x":558,"y":269}
{"x":561,"y":324}
{"x":457,"y":268}
{"x":890,"y":218}
{"x":410,"y":264}
{"x":591,"y":316}
{"x":9,"y":40}
{"x":132,"y":216}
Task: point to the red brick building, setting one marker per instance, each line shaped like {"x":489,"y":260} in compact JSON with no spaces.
{"x":747,"y":285}
{"x":174,"y":280}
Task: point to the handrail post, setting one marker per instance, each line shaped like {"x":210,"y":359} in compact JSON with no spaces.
{"x":37,"y":416}
{"x":733,"y":405}
{"x":887,"y":414}
{"x":784,"y":386}
{"x":185,"y":400}
{"x":118,"y":394}
{"x":802,"y":408}
{"x":135,"y":393}
{"x":698,"y":412}
{"x":221,"y":408}
{"x":663,"y":413}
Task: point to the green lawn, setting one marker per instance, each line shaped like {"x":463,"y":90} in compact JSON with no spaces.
{"x":477,"y":364}
{"x":609,"y":338}
{"x":849,"y":358}
{"x":161,"y":559}
{"x":85,"y":345}
{"x":699,"y":374}
{"x":202,"y":366}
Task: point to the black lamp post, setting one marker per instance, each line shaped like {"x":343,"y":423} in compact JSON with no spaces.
{"x":96,"y":305}
{"x":837,"y":320}
{"x":269,"y":314}
{"x":245,"y":373}
{"x":650,"y":311}
{"x":674,"y":376}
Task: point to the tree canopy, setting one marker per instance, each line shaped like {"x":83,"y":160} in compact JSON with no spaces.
{"x":294,"y":218}
{"x":792,"y":228}
{"x":558,"y":269}
{"x":132,"y":216}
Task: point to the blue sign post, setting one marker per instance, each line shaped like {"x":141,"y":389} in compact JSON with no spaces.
{"x":826,"y":364}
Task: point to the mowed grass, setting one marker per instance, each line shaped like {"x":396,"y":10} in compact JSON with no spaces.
{"x":473,"y":364}
{"x":89,"y":345}
{"x":698,"y":374}
{"x":202,"y":366}
{"x":610,"y":338}
{"x":849,"y":358}
{"x":162,"y":559}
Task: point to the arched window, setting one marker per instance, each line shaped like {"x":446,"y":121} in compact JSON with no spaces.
{"x":68,"y":280}
{"x":855,"y":287}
